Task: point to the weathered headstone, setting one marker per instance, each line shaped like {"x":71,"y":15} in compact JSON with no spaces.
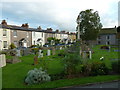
{"x":90,"y":54}
{"x":60,"y":48}
{"x":2,"y":60}
{"x":84,"y":55}
{"x":35,"y":60}
{"x":53,"y":51}
{"x":18,"y":53}
{"x":48,"y":52}
{"x":40,"y":53}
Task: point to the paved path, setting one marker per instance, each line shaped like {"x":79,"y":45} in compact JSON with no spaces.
{"x":115,"y":84}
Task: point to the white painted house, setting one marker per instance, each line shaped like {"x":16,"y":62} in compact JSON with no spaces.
{"x":38,"y":37}
{"x":5,"y":40}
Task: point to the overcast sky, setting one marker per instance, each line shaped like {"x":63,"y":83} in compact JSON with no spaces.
{"x":57,"y":14}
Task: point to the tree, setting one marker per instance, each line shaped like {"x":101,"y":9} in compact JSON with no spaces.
{"x":118,"y":29}
{"x":88,"y":24}
{"x":57,"y":41}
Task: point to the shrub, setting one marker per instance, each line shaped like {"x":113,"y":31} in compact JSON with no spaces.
{"x":94,"y":68}
{"x":115,"y":66}
{"x":104,"y":47}
{"x":35,"y":50}
{"x":99,"y":68}
{"x":37,"y":76}
{"x":12,"y":46}
{"x":70,"y":63}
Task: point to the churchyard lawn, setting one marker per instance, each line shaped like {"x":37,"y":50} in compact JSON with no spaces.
{"x":14,"y":74}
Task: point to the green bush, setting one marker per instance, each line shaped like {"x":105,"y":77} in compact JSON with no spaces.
{"x":35,"y":50}
{"x":94,"y":68}
{"x":37,"y":76}
{"x":70,"y":63}
{"x":116,"y":66}
{"x":12,"y":46}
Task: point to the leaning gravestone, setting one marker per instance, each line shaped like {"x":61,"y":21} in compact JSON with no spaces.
{"x":35,"y":60}
{"x":18,"y":53}
{"x":2,"y":60}
{"x":48,"y":52}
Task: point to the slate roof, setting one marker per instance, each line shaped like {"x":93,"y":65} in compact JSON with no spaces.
{"x":13,"y":27}
{"x":108,"y":31}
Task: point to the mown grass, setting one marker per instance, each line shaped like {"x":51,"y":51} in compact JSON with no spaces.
{"x":14,"y":74}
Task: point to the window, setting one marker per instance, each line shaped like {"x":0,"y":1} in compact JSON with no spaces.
{"x":108,"y":37}
{"x":99,"y":37}
{"x":15,"y":33}
{"x":4,"y":32}
{"x":34,"y":34}
{"x":99,"y":42}
{"x":34,"y":42}
{"x":27,"y":34}
{"x":42,"y":34}
{"x":15,"y":43}
{"x":107,"y":43}
{"x":5,"y":44}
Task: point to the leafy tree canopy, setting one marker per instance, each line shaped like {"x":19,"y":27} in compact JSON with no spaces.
{"x":89,"y":24}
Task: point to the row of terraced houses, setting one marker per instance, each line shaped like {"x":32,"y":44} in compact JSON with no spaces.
{"x":24,"y":36}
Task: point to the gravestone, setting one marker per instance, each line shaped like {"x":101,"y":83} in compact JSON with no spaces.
{"x":90,"y":54}
{"x":48,"y":52}
{"x":25,"y":52}
{"x":84,"y":55}
{"x":18,"y":53}
{"x":40,"y":53}
{"x":2,"y":60}
{"x":53,"y":51}
{"x":60,"y":48}
{"x":35,"y":60}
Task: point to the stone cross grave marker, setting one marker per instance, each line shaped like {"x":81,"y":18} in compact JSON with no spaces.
{"x":48,"y":52}
{"x":2,"y":60}
{"x":18,"y":53}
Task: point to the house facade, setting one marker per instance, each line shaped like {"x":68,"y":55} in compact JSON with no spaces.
{"x":107,"y":36}
{"x":21,"y":36}
{"x":38,"y":37}
{"x":49,"y":33}
{"x":5,"y":40}
{"x":72,"y":37}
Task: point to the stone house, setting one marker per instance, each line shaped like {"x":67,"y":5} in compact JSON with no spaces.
{"x":72,"y":37}
{"x":107,"y":36}
{"x":21,"y":36}
{"x":49,"y":33}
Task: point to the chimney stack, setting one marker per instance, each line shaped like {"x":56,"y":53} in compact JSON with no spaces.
{"x":25,"y":25}
{"x":4,"y":22}
{"x":39,"y":28}
{"x":49,"y":29}
{"x":57,"y":31}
